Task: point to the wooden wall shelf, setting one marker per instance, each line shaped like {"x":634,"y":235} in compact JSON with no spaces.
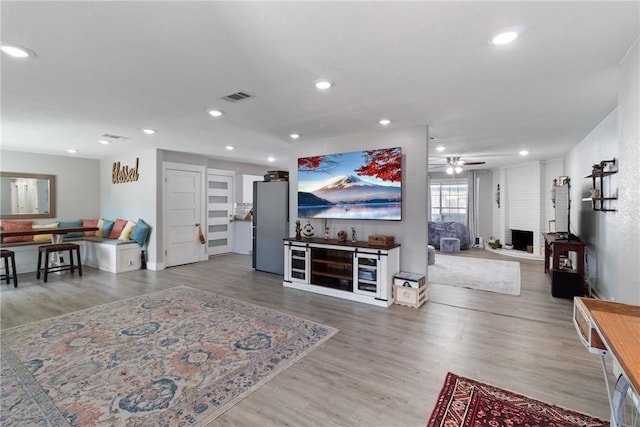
{"x":601,"y":203}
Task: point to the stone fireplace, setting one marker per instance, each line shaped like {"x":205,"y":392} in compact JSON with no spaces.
{"x":520,"y":239}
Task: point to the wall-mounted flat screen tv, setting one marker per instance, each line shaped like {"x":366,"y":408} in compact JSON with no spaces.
{"x":356,"y":185}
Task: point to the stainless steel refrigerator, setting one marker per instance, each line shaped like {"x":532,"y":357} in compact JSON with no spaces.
{"x":270,"y":225}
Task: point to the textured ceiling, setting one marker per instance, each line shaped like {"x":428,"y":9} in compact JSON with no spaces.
{"x":118,"y":67}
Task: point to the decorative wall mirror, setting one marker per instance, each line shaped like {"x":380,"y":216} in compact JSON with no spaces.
{"x":27,"y":195}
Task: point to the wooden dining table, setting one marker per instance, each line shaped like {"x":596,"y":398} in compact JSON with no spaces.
{"x":57,"y":234}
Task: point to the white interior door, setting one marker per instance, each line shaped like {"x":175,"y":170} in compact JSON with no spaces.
{"x":219,"y":209}
{"x":183,"y":195}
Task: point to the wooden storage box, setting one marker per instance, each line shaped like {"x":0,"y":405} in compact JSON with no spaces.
{"x":380,"y":240}
{"x":409,"y":279}
{"x":412,"y":297}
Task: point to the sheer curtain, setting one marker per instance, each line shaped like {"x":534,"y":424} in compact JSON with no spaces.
{"x":472,"y":205}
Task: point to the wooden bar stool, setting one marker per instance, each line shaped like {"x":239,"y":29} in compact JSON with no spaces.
{"x":6,"y":255}
{"x":61,"y":247}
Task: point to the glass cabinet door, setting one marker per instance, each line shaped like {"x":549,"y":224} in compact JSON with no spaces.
{"x":299,"y":264}
{"x":366,"y":280}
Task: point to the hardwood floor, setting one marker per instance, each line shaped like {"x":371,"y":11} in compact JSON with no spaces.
{"x":385,"y":367}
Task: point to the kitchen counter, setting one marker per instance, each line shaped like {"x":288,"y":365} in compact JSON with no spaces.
{"x":242,"y":243}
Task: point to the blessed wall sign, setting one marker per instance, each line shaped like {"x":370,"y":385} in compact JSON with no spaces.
{"x":122,"y":174}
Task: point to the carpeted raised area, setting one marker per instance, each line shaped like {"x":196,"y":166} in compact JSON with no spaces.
{"x":476,"y":273}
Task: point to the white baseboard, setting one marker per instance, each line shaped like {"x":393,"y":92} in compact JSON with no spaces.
{"x":155,"y":266}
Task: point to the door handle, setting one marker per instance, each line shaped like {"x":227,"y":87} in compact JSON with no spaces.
{"x":197,"y":225}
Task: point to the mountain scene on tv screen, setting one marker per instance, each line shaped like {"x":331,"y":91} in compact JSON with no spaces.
{"x":358,"y":185}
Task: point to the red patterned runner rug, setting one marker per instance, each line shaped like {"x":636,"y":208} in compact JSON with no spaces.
{"x":468,"y":403}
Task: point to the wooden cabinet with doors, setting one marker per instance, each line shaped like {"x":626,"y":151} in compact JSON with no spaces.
{"x":351,"y":270}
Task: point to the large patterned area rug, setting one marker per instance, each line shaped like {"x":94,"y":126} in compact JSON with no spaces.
{"x":468,"y":403}
{"x":177,"y":357}
{"x":476,"y":273}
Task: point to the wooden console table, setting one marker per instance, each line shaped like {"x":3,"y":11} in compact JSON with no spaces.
{"x":612,"y":329}
{"x":554,"y":246}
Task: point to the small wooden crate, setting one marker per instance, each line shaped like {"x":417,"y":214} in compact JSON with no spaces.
{"x":412,"y":297}
{"x":409,"y":279}
{"x":380,"y":240}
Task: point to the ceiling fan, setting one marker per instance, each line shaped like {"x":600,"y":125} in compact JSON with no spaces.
{"x":455,"y":164}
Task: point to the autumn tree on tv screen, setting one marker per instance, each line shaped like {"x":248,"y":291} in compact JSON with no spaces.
{"x":356,"y":185}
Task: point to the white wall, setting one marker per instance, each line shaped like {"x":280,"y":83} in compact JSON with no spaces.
{"x":486,"y":201}
{"x":521,"y":202}
{"x":597,"y":229}
{"x":552,"y":169}
{"x":522,"y":194}
{"x":77,"y":181}
{"x":132,"y":200}
{"x":613,"y":257}
{"x":411,"y":232}
{"x":629,"y":177}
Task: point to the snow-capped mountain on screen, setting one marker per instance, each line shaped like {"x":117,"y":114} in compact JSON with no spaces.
{"x":350,"y":189}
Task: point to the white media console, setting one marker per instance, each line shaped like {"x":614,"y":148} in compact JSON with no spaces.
{"x":355,"y":271}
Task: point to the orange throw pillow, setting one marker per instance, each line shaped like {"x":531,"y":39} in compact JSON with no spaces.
{"x":17,"y":225}
{"x":118,"y":226}
{"x":89,"y":223}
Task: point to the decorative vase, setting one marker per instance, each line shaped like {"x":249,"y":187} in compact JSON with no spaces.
{"x":143,"y":261}
{"x":298,"y":230}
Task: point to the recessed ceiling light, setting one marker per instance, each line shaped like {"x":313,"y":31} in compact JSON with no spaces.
{"x":104,"y":142}
{"x":323,"y":84}
{"x":294,"y":136}
{"x":229,"y":147}
{"x":149,"y":131}
{"x":72,"y":151}
{"x":215,"y":113}
{"x":523,"y":152}
{"x":17,"y":51}
{"x":440,"y":148}
{"x":504,"y":38}
{"x":271,"y":159}
{"x":384,"y":122}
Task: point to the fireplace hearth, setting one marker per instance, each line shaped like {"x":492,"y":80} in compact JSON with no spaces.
{"x":520,"y":239}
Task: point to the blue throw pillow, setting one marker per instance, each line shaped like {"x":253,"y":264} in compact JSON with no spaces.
{"x":65,"y":224}
{"x":140,"y":232}
{"x":107,"y":226}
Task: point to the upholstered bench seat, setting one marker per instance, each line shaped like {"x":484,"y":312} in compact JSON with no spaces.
{"x":449,"y":245}
{"x":112,"y":255}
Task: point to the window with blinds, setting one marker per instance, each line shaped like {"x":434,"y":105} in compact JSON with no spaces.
{"x":449,"y":201}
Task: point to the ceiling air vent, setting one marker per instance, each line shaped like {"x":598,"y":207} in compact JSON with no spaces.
{"x":118,"y":137}
{"x":238,"y":96}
